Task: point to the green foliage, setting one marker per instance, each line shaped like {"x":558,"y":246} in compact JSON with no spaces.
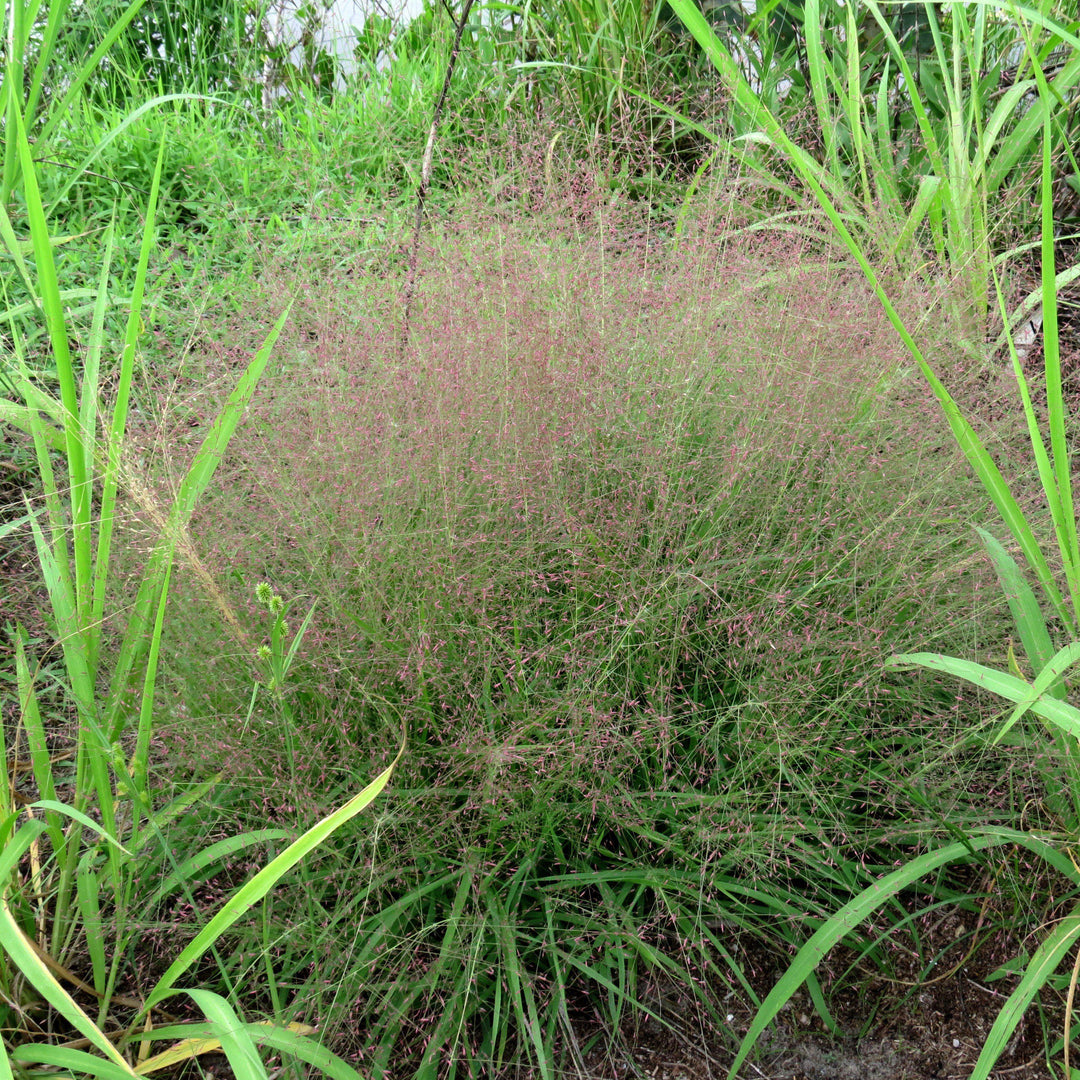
{"x":1045,"y":694}
{"x":632,"y":617}
{"x":200,"y":46}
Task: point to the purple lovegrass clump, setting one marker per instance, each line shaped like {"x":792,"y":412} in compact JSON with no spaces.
{"x":622,"y":545}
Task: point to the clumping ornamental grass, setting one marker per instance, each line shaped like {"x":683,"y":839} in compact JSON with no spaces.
{"x":623,"y":547}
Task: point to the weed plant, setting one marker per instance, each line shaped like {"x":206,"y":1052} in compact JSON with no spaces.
{"x":623,"y":545}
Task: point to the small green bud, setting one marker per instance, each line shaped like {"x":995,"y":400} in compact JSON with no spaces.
{"x":264,"y":594}
{"x":264,"y":652}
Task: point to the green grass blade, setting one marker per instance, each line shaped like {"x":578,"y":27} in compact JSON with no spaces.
{"x":33,"y":969}
{"x":1060,"y":494}
{"x":841,"y":924}
{"x":250,"y":894}
{"x":201,"y":472}
{"x":244,"y":1060}
{"x":37,"y":742}
{"x":1025,"y":695}
{"x":117,"y":421}
{"x":1043,"y":964}
{"x":13,"y":849}
{"x":77,"y":1062}
{"x":88,"y":891}
{"x":82,"y":819}
{"x":13,"y":244}
{"x":88,"y":403}
{"x":303,"y":1048}
{"x":968,"y":441}
{"x":192,"y":867}
{"x":928,"y":194}
{"x":819,"y":83}
{"x":140,"y":759}
{"x":52,"y":307}
{"x":1026,"y":613}
{"x":286,"y":1039}
{"x":1016,"y":145}
{"x":58,"y":110}
{"x":26,"y":419}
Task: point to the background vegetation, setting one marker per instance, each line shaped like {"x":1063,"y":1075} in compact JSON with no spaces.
{"x":613,"y":566}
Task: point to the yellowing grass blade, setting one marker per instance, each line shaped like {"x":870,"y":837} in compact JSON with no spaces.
{"x":187,"y":1049}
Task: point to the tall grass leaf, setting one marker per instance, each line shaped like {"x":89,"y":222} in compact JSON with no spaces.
{"x":195,"y":482}
{"x":929,"y":193}
{"x":1016,"y":144}
{"x":819,"y":82}
{"x":5,"y":1065}
{"x":76,"y":173}
{"x":21,"y":417}
{"x":1059,"y":713}
{"x":886,"y":174}
{"x":841,"y":924}
{"x":13,"y":848}
{"x":1049,"y":680}
{"x":91,"y":368}
{"x":1060,"y":494}
{"x":191,"y":868}
{"x":1043,"y":964}
{"x":196,"y":1039}
{"x":244,"y":1060}
{"x":23,"y":956}
{"x":15,"y":248}
{"x":92,"y":749}
{"x":522,"y":999}
{"x":117,"y":422}
{"x":289,"y":1041}
{"x":88,"y":890}
{"x":140,"y":759}
{"x":58,"y":109}
{"x":250,"y":894}
{"x":1027,"y":615}
{"x":37,"y":742}
{"x":14,"y":80}
{"x":77,"y":1062}
{"x":816,"y":178}
{"x":52,"y":307}
{"x":62,"y":600}
{"x":83,"y":819}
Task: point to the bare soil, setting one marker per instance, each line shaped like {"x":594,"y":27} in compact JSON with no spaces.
{"x":894,"y":1028}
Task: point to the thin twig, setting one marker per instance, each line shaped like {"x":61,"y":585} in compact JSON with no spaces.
{"x":425,"y":180}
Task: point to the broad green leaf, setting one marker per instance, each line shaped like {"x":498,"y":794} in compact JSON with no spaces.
{"x":78,"y":1062}
{"x":1060,"y":713}
{"x":196,"y":1039}
{"x":244,"y":1060}
{"x":1026,"y":613}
